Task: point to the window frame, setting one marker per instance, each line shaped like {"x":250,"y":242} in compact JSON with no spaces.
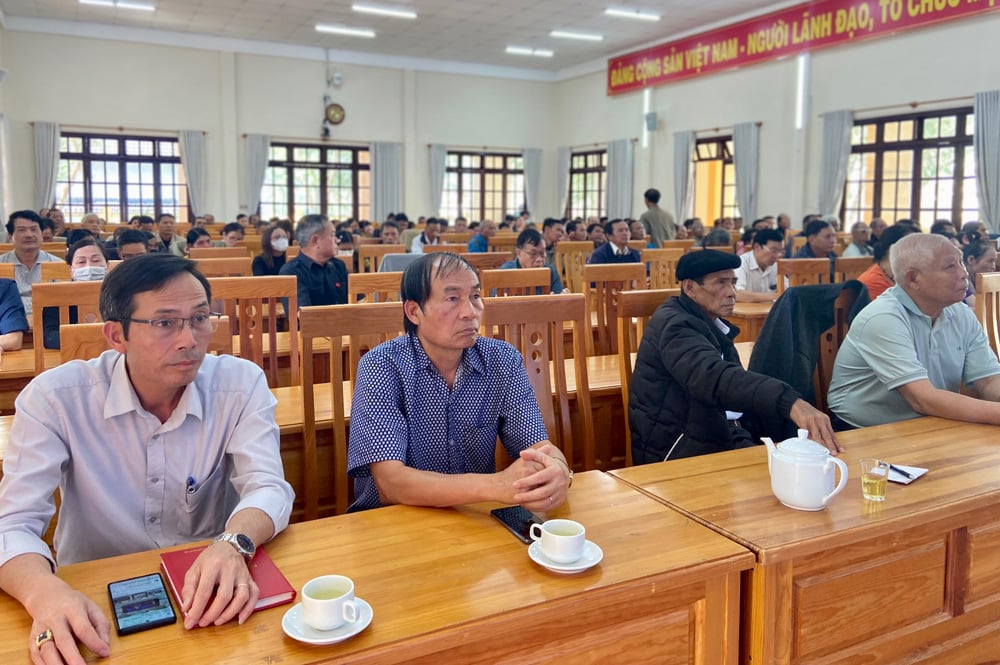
{"x":360,"y":163}
{"x":480,"y":175}
{"x":724,"y":153}
{"x":587,"y":169}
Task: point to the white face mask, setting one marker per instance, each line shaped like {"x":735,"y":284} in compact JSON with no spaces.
{"x":89,"y":274}
{"x":280,"y":245}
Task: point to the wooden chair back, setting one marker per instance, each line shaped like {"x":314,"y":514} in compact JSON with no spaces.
{"x":829,"y":343}
{"x":53,"y":271}
{"x":534,"y":326}
{"x":988,"y":306}
{"x":255,"y":307}
{"x":663,"y":267}
{"x":251,"y":243}
{"x":800,"y":272}
{"x":430,"y":249}
{"x":846,"y":269}
{"x":638,"y":245}
{"x":347,"y":331}
{"x":217,"y":252}
{"x":230,"y":266}
{"x":571,"y":256}
{"x":456,"y":238}
{"x":373,"y":287}
{"x":84,"y":296}
{"x":370,"y":256}
{"x":677,"y":244}
{"x":634,"y":311}
{"x":798,"y":242}
{"x":7,"y":270}
{"x":406,"y":237}
{"x":485,"y":260}
{"x":515,"y":282}
{"x":606,"y":282}
{"x":83,"y":341}
{"x":503,"y":242}
{"x":55,"y":248}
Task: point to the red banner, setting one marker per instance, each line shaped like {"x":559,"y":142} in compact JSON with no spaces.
{"x":805,"y":27}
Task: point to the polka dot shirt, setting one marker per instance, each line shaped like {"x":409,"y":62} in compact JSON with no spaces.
{"x":403,"y":410}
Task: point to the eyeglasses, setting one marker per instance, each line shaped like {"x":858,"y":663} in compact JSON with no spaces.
{"x":538,"y":254}
{"x":168,"y":327}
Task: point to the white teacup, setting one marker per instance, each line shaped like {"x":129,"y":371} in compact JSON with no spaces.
{"x":328,"y":602}
{"x":562,"y":540}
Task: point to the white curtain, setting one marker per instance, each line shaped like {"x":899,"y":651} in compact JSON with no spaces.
{"x":532,"y":178}
{"x":836,"y":151}
{"x":683,"y":165}
{"x":5,"y":204}
{"x":746,"y":157}
{"x":563,"y":156}
{"x":192,"y":144}
{"x":387,"y":179}
{"x":621,"y":154}
{"x":986,"y":140}
{"x":46,"y":163}
{"x":257,"y":149}
{"x":439,"y":158}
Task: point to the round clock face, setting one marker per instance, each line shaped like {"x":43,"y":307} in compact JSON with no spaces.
{"x":335,"y":114}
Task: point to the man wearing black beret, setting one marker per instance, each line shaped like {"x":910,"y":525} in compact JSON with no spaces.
{"x":689,"y":391}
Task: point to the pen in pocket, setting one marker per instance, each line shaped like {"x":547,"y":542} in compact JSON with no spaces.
{"x":190,"y":485}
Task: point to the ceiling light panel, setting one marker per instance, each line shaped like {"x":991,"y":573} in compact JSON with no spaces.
{"x":384,"y":10}
{"x":581,"y":36}
{"x":628,"y":12}
{"x":345,"y":30}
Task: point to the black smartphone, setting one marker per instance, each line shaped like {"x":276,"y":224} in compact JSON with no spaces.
{"x":518,"y":520}
{"x":140,"y":603}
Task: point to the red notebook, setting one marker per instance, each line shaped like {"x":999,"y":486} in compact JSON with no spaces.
{"x":274,"y":588}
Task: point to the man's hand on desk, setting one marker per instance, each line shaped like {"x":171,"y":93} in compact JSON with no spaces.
{"x":807,"y":417}
{"x":220,"y":571}
{"x":543,"y":480}
{"x":69,"y":616}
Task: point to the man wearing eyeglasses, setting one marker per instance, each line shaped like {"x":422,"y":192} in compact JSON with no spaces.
{"x":153,"y":443}
{"x":757,"y":276}
{"x":530,"y":253}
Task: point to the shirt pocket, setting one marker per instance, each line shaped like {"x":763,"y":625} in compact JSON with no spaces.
{"x":206,"y":507}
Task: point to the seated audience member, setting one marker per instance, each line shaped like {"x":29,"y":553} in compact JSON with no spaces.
{"x":132,"y":243}
{"x":530,"y":253}
{"x":461,"y":225}
{"x":209,"y":219}
{"x":199,"y":237}
{"x":199,"y":223}
{"x":912,"y":352}
{"x":389,"y":233}
{"x":13,"y":322}
{"x":92,"y":222}
{"x":859,"y":241}
{"x":820,"y":240}
{"x":878,"y":277}
{"x":980,"y":228}
{"x":757,"y":275}
{"x":441,"y":381}
{"x":552,"y":234}
{"x":944,"y":227}
{"x":877,"y":227}
{"x":595,"y":234}
{"x":322,"y":278}
{"x":169,"y":240}
{"x":717,"y":237}
{"x":978,"y":257}
{"x":145,"y":223}
{"x":232,"y":234}
{"x":24,"y":228}
{"x":273,"y":245}
{"x":429,"y":236}
{"x":689,"y":390}
{"x":638,"y":232}
{"x":223,"y":471}
{"x":576,"y":231}
{"x":365,"y":229}
{"x":616,"y":250}
{"x":48,"y":230}
{"x":57,"y":217}
{"x":88,"y":262}
{"x":695,"y":228}
{"x":480,"y":242}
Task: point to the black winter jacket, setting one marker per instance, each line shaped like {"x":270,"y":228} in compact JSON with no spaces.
{"x":687,"y":374}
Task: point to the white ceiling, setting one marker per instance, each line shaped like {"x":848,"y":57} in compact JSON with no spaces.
{"x":465,"y":31}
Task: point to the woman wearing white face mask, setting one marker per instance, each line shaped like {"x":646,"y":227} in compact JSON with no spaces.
{"x":88,"y":263}
{"x":273,"y":244}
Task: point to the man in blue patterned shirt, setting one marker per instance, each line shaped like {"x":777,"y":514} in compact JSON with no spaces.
{"x":429,"y":405}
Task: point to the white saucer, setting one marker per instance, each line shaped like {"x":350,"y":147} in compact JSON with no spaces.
{"x":592,"y":555}
{"x":296,"y":629}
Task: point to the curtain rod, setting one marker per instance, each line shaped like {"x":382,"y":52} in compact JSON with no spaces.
{"x":717,"y":130}
{"x":599,"y":144}
{"x":130,"y":130}
{"x":315,"y":140}
{"x":483,"y":148}
{"x":913,"y":105}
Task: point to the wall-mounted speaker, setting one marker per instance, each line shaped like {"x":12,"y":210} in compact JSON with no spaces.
{"x":651,"y":121}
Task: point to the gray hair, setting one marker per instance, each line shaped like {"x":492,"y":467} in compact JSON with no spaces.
{"x":857,"y":226}
{"x":307,"y":227}
{"x":915,"y":252}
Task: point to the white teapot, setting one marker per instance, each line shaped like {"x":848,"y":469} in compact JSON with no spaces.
{"x":802,"y":472}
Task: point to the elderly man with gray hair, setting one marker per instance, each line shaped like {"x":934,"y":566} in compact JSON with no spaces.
{"x":322,"y":278}
{"x":910,"y":351}
{"x":859,"y":246}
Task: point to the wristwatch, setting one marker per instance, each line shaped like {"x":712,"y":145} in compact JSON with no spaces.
{"x":243,"y":544}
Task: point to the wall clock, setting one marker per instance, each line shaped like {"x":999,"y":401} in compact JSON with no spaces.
{"x":335,"y":114}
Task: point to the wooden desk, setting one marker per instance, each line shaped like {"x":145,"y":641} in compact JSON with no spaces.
{"x":749,"y":318}
{"x":452,"y":586}
{"x":17,"y":369}
{"x":912,"y":579}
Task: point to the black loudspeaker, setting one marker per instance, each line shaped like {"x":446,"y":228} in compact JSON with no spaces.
{"x":651,"y":121}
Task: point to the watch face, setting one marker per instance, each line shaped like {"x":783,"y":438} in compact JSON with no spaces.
{"x":335,"y":113}
{"x":245,"y":543}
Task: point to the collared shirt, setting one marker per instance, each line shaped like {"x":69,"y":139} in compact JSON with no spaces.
{"x":130,"y":483}
{"x":12,"y":316}
{"x":177,"y":245}
{"x":659,"y":223}
{"x":611,"y":253}
{"x":403,"y":410}
{"x":25,"y":277}
{"x":892,"y":343}
{"x":417,"y":246}
{"x":854,"y":249}
{"x":555,"y":284}
{"x":751,"y":277}
{"x":319,"y":284}
{"x":479,"y":243}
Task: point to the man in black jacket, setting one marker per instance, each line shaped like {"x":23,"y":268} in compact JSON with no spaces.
{"x":689,"y":390}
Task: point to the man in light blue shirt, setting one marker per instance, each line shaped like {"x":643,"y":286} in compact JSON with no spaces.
{"x":911,"y":350}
